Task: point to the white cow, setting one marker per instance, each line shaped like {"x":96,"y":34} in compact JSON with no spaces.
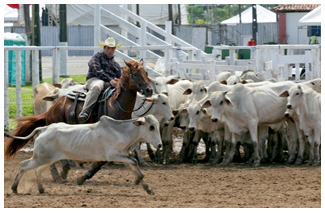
{"x":306,"y":103}
{"x":176,"y":98}
{"x":244,"y":108}
{"x":44,"y":90}
{"x":200,"y":122}
{"x":234,"y":79}
{"x":159,"y":84}
{"x":250,"y":74}
{"x":293,"y":121}
{"x":217,"y":86}
{"x":103,"y":141}
{"x":223,"y":76}
{"x":158,"y":106}
{"x":40,"y":91}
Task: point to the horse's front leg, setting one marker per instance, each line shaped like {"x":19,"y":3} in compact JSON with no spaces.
{"x":55,"y":174}
{"x":65,"y":169}
{"x":95,"y":167}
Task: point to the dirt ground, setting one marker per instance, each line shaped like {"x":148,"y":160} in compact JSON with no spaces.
{"x":175,"y":185}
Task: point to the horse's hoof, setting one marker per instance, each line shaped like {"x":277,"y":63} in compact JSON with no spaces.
{"x":64,"y":175}
{"x":81,"y":180}
{"x":144,"y":164}
{"x":58,"y":179}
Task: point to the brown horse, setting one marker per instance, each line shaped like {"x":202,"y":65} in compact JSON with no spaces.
{"x":119,"y":106}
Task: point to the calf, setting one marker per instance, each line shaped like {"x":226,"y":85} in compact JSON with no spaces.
{"x":306,"y":103}
{"x":102,"y":141}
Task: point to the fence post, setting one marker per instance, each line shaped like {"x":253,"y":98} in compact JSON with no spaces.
{"x":18,"y":85}
{"x":314,"y":63}
{"x":167,"y":56}
{"x":232,"y":57}
{"x":97,"y":19}
{"x":143,"y":42}
{"x":35,"y":75}
{"x":168,"y":29}
{"x":55,"y":65}
{"x":309,"y":74}
{"x":212,"y":71}
{"x":124,"y":33}
{"x":6,"y":93}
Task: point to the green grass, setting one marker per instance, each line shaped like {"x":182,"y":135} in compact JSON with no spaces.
{"x":27,"y":98}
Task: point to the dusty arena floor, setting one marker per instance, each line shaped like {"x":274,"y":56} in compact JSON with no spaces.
{"x":175,"y":185}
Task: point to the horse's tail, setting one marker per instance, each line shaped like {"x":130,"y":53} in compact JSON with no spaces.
{"x":24,"y":129}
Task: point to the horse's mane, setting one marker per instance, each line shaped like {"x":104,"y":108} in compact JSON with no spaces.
{"x":121,"y":84}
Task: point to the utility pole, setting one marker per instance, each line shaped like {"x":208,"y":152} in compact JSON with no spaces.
{"x":254,"y":23}
{"x":36,"y":35}
{"x":170,"y":16}
{"x":63,"y":39}
{"x":138,"y":13}
{"x":179,"y":15}
{"x":28,"y":30}
{"x":213,"y":14}
{"x":239,"y":12}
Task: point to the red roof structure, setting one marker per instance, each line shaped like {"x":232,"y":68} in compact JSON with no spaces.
{"x":295,"y":7}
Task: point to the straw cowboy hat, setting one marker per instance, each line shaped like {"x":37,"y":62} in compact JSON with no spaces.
{"x":110,"y":42}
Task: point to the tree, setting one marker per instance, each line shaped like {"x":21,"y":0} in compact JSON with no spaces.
{"x":210,"y":14}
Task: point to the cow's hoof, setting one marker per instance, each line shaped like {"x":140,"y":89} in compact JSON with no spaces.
{"x":14,"y":190}
{"x":298,"y":161}
{"x":150,"y":192}
{"x":42,"y":191}
{"x":257,"y":164}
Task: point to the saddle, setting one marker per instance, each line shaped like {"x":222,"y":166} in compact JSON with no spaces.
{"x":98,"y":110}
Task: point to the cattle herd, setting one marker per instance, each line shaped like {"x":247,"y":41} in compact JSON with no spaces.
{"x":244,"y":118}
{"x":239,"y":118}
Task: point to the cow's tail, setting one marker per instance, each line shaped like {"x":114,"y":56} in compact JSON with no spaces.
{"x":28,"y":136}
{"x":23,"y":133}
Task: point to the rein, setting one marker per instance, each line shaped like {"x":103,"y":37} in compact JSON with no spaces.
{"x":152,"y":103}
{"x":118,"y":104}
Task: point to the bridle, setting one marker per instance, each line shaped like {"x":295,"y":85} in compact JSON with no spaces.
{"x":152,"y":103}
{"x":132,"y":79}
{"x":137,"y":85}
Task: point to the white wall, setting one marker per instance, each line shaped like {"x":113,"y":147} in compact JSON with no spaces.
{"x":296,"y":36}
